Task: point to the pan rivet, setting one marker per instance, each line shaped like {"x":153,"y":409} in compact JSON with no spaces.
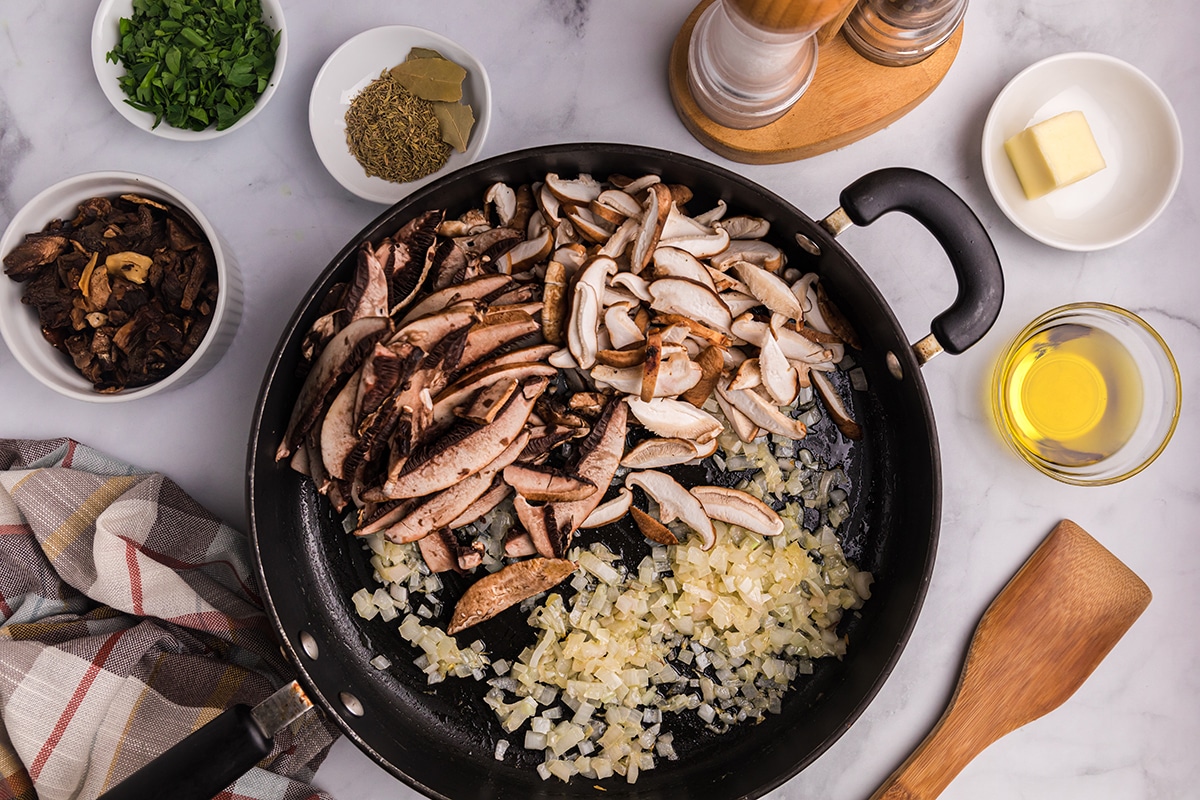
{"x":808,"y":245}
{"x":893,"y":365}
{"x":351,"y":703}
{"x":310,"y":645}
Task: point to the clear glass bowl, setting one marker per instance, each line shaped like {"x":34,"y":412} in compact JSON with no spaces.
{"x":1081,"y":390}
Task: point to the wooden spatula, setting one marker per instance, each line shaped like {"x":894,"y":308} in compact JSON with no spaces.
{"x":1041,"y":637}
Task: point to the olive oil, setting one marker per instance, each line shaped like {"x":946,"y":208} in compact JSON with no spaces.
{"x":1072,"y":395}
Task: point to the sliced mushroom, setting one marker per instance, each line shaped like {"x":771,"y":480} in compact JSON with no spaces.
{"x":651,"y":528}
{"x":338,"y":434}
{"x":474,"y":289}
{"x":599,"y":455}
{"x":524,"y":255}
{"x":711,"y":362}
{"x":688,"y":299}
{"x":763,"y":412}
{"x":485,"y":503}
{"x":621,"y":238}
{"x":339,"y":359}
{"x":504,"y":200}
{"x":778,"y":376}
{"x":636,"y":285}
{"x":451,"y":462}
{"x":540,"y":522}
{"x":518,"y":544}
{"x":591,"y":227}
{"x":756,"y":251}
{"x":439,"y":552}
{"x":460,"y":393}
{"x":675,"y":419}
{"x":621,"y":359}
{"x":680,"y":225}
{"x":836,"y":408}
{"x":671,"y":262}
{"x":656,"y":209}
{"x":555,"y":305}
{"x":743,"y":227}
{"x":656,"y":453}
{"x":493,"y":593}
{"x":484,"y":340}
{"x":438,"y":510}
{"x":697,"y":329}
{"x":674,"y":375}
{"x":748,"y":375}
{"x":739,"y":423}
{"x":738,"y":508}
{"x":700,"y":245}
{"x":739,"y":303}
{"x":578,"y":191}
{"x":836,"y":321}
{"x":622,"y":330}
{"x":367,"y":294}
{"x":711,"y":216}
{"x":618,"y":202}
{"x":427,"y":332}
{"x":545,"y":485}
{"x":650,"y":367}
{"x":488,"y":401}
{"x":770,"y":289}
{"x":610,"y":510}
{"x":583,"y":327}
{"x":674,"y":502}
{"x":794,"y":346}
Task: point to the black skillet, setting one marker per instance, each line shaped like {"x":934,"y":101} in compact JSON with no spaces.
{"x":440,"y":740}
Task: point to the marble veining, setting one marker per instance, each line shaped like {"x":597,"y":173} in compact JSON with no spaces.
{"x":573,"y":70}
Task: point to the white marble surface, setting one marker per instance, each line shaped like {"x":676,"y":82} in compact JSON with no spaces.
{"x":565,"y":70}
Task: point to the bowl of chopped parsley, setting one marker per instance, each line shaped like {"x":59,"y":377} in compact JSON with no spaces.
{"x":189,"y":69}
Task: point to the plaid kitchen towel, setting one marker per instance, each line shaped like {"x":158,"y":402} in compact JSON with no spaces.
{"x":129,"y":617}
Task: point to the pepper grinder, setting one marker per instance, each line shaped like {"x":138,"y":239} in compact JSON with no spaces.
{"x":749,"y":61}
{"x":897,"y":33}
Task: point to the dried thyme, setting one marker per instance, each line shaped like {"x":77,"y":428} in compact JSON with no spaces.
{"x":393,"y":133}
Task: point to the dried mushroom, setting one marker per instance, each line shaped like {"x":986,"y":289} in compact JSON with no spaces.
{"x":126,"y":289}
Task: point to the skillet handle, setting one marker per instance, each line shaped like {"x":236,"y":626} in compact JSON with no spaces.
{"x":215,"y":755}
{"x":957,"y":230}
{"x":202,"y":764}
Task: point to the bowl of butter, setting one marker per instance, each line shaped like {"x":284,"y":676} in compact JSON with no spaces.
{"x":1082,"y":151}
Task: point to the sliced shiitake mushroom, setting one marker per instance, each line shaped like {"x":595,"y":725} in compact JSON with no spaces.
{"x":499,"y":590}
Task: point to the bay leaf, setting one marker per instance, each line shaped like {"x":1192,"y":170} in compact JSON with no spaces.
{"x":423,"y":52}
{"x":456,"y":121}
{"x":431,"y":78}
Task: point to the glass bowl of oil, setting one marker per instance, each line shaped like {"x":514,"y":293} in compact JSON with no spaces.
{"x":1088,"y":393}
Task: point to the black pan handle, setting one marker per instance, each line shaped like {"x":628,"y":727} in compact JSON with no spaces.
{"x":201,"y":764}
{"x":957,"y":230}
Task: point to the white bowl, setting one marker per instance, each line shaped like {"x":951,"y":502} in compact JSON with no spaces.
{"x":106,"y":35}
{"x":19,"y":323}
{"x":1137,"y":133}
{"x":354,"y":65}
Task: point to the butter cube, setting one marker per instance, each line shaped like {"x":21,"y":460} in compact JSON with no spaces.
{"x":1054,"y":153}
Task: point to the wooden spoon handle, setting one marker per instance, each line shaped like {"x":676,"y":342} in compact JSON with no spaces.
{"x":1042,"y":636}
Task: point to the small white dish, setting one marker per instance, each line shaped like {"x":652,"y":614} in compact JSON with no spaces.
{"x":106,"y":35}
{"x":354,"y":65}
{"x":21,"y":327}
{"x":1137,"y":133}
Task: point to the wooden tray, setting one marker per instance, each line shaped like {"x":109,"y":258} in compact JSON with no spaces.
{"x":849,"y":98}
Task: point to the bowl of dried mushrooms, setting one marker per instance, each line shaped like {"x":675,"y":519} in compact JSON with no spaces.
{"x":115,"y":287}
